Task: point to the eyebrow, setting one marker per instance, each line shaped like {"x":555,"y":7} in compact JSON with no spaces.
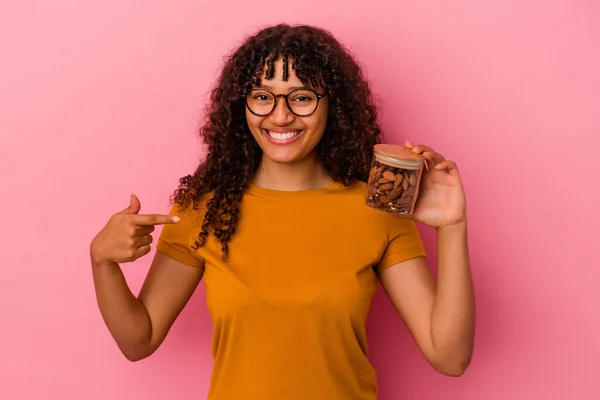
{"x":291,"y":88}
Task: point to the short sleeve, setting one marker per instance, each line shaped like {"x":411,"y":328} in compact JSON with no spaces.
{"x":176,"y":240}
{"x":404,"y":242}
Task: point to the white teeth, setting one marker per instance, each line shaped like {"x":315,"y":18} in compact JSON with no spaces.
{"x":283,"y":136}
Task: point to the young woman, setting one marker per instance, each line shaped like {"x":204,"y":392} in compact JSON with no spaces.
{"x":275,"y":222}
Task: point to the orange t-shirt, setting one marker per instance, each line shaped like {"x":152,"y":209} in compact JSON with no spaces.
{"x":289,"y":306}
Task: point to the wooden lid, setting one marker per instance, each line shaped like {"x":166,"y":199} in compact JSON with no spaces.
{"x":400,"y":153}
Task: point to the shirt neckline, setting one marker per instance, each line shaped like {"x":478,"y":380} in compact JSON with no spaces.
{"x":286,"y":194}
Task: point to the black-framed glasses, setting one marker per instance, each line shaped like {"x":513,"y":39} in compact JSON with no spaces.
{"x":300,"y":102}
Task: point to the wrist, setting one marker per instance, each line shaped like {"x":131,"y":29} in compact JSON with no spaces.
{"x":459,"y":226}
{"x":102,"y":263}
{"x":98,"y":264}
{"x":97,"y":260}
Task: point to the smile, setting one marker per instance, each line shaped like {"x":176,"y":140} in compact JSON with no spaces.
{"x":282,"y":137}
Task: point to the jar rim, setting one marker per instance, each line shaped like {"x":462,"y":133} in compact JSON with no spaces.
{"x":398,"y":154}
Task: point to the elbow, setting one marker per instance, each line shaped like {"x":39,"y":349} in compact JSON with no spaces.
{"x":453,"y":368}
{"x":134,"y":357}
{"x":136,"y":354}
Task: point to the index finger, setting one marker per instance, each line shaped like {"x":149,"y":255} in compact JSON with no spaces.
{"x":433,"y":157}
{"x":421,"y":148}
{"x":155,"y":219}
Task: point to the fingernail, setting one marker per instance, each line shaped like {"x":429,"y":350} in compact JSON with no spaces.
{"x":175,"y":219}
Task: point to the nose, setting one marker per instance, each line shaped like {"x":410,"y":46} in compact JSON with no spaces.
{"x":281,"y":115}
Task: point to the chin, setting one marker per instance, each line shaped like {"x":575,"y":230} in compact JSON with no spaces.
{"x":283,"y":156}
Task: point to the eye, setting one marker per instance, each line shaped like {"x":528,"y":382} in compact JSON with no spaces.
{"x":261,"y":97}
{"x":303,"y":97}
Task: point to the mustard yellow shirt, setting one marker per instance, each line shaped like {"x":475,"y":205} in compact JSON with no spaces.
{"x":289,"y":307}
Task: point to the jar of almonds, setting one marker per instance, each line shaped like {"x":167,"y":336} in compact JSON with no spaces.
{"x":393,"y":184}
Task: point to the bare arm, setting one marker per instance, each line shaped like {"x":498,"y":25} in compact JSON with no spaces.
{"x":441,"y":318}
{"x":139,"y":325}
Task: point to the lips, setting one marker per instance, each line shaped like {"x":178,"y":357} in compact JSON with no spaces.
{"x":282,"y":137}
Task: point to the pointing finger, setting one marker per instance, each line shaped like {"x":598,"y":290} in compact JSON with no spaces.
{"x":156,"y":219}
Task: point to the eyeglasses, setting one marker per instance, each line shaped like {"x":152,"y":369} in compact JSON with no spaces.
{"x":301,"y":102}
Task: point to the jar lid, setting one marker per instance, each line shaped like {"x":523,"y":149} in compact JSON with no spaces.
{"x":399,"y":154}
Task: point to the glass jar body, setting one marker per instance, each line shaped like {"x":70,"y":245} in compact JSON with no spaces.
{"x":393,"y":184}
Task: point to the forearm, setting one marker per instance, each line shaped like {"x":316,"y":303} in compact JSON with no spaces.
{"x":453,"y":314}
{"x":124,"y":315}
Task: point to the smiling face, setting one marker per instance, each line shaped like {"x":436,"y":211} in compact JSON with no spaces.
{"x":283,"y":136}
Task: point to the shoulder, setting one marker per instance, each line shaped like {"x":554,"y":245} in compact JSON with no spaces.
{"x":190,"y":212}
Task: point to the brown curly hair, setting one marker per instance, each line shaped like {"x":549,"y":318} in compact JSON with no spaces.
{"x":233,"y":155}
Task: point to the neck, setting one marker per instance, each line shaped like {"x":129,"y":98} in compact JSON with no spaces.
{"x":306,"y":174}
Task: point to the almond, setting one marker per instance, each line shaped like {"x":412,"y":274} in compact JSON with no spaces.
{"x":404,"y":202}
{"x":394,"y":193}
{"x":392,"y":189}
{"x":389,"y":175}
{"x":412,"y":180}
{"x":398,"y":180}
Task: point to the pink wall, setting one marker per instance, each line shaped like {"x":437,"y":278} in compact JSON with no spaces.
{"x":509,"y":89}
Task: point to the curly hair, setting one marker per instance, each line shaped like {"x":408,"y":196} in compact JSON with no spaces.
{"x":233,"y":155}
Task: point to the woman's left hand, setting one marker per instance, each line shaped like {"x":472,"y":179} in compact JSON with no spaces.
{"x":441,"y":201}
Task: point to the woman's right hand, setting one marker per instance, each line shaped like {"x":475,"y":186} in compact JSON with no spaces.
{"x":127,"y":235}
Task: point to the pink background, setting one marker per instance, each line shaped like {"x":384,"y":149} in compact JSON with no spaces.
{"x":101,"y":99}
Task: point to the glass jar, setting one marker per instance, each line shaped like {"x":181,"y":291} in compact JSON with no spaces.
{"x":394,"y":180}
